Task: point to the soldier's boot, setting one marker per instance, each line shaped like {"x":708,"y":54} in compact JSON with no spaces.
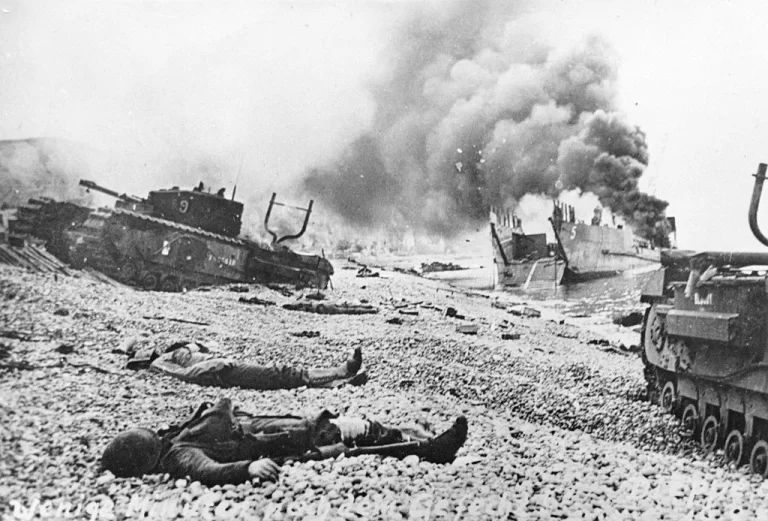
{"x":348,"y":372}
{"x":443,"y":448}
{"x":437,"y":449}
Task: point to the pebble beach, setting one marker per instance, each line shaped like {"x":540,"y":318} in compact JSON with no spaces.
{"x":559,"y":423}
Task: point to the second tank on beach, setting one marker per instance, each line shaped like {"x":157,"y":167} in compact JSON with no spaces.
{"x":705,"y":345}
{"x":174,"y":239}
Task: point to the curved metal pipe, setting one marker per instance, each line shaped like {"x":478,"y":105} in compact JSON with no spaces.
{"x":757,"y":191}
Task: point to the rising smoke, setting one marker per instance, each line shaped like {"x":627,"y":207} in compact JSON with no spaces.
{"x":42,"y":167}
{"x":474,"y":114}
{"x":464,"y":106}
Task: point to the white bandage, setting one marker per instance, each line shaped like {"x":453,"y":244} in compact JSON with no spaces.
{"x":351,"y":428}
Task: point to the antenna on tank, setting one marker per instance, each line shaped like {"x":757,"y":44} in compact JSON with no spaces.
{"x":234,"y":190}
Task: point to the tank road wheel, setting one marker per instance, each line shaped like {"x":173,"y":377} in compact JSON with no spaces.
{"x":710,"y":434}
{"x":690,"y":422}
{"x":129,"y":272}
{"x":668,"y":398}
{"x":758,"y":461}
{"x":654,"y":332}
{"x":170,"y":285}
{"x":150,"y":281}
{"x":78,"y":258}
{"x":734,"y":448}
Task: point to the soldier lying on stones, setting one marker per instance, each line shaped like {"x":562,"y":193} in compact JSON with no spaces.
{"x":221,"y":444}
{"x":194,"y":363}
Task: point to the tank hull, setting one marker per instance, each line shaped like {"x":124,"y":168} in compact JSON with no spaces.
{"x":706,"y":354}
{"x":158,"y":254}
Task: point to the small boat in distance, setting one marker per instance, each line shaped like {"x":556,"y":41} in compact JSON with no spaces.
{"x":580,"y":252}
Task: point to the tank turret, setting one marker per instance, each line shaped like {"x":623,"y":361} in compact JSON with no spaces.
{"x":196,"y":208}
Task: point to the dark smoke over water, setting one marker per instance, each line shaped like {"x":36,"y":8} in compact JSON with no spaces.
{"x":474,"y":113}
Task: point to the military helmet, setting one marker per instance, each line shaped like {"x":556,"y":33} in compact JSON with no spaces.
{"x":132,"y":453}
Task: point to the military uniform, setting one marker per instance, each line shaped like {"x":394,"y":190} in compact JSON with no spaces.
{"x":188,"y":362}
{"x":219,"y":443}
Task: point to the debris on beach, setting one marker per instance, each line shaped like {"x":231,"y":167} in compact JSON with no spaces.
{"x":468,"y":329}
{"x":328,"y":308}
{"x":633,"y":318}
{"x":365,"y":271}
{"x":305,"y":334}
{"x":433,"y":267}
{"x":524,"y":311}
{"x":256,"y":300}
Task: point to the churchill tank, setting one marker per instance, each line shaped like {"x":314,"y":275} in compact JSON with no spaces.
{"x":705,"y":345}
{"x":172,"y":240}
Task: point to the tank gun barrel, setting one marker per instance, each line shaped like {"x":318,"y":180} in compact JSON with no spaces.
{"x":93,"y":186}
{"x":702,"y":260}
{"x":757,"y":192}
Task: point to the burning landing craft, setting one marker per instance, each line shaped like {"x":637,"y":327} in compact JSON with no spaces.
{"x":580,"y":252}
{"x":172,"y":240}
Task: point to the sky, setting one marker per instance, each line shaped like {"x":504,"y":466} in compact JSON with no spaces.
{"x":260,"y":92}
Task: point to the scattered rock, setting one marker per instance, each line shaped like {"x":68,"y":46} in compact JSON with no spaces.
{"x":468,"y":329}
{"x":411,"y":461}
{"x":65,"y":349}
{"x":306,"y":334}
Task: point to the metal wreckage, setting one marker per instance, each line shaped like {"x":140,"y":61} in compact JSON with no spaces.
{"x":173,"y":240}
{"x":705,"y":345}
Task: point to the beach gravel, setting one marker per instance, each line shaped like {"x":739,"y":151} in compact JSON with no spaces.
{"x":559,"y":425}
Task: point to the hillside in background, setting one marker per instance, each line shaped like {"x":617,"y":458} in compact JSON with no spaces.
{"x":44,"y":167}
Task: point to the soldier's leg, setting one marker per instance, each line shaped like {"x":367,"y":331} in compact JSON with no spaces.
{"x":269,"y":377}
{"x":366,"y":433}
{"x":264,"y":377}
{"x":347,"y":372}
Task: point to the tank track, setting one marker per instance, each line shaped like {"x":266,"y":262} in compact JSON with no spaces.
{"x":711,"y":419}
{"x":176,"y":226}
{"x":22,"y":228}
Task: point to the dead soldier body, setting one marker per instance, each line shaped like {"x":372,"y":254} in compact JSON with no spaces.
{"x":221,"y":444}
{"x":193,"y":363}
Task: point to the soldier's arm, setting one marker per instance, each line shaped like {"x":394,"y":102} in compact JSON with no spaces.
{"x":193,"y":462}
{"x":196,"y":372}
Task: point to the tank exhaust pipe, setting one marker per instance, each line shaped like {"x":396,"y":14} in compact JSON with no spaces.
{"x":753,"y":205}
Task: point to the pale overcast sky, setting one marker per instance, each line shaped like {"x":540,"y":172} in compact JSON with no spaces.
{"x":693,"y":76}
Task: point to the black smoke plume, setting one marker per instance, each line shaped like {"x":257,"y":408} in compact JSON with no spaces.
{"x":473,"y":113}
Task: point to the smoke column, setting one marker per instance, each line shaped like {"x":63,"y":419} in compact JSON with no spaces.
{"x":471,"y":112}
